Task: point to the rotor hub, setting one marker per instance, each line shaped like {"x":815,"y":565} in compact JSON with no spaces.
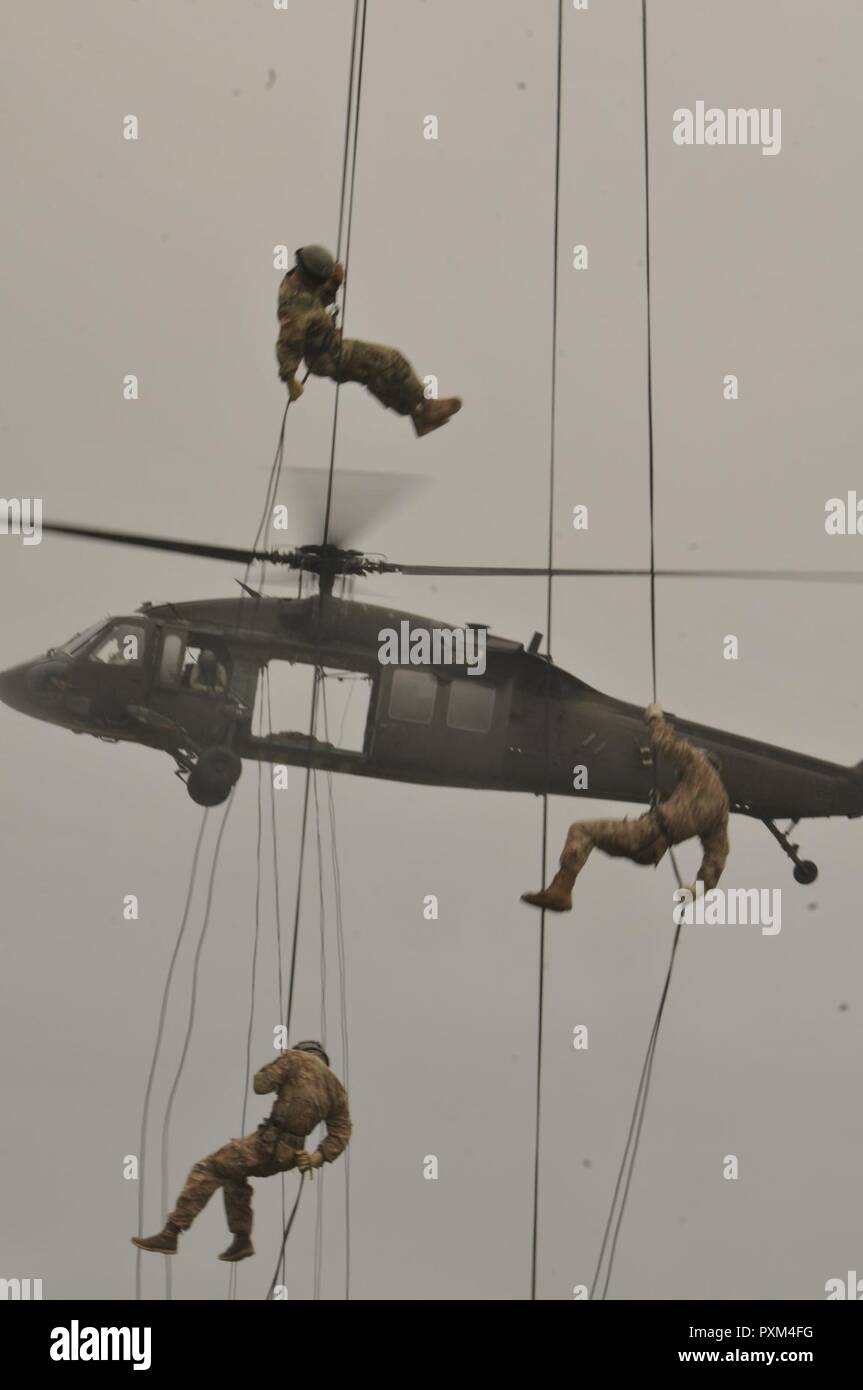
{"x":329,"y":560}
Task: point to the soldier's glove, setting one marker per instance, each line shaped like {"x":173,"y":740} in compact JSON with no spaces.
{"x":306,"y":1160}
{"x":295,"y":389}
{"x":653,"y":712}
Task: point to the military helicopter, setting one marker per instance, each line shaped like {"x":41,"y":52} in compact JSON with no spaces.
{"x":522,"y":725}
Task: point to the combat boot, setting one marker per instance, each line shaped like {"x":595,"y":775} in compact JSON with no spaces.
{"x":240,"y":1248}
{"x":557,"y":897}
{"x":430,"y":415}
{"x":165,"y":1243}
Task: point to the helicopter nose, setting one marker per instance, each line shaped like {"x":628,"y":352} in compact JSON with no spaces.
{"x":32,"y":685}
{"x":44,"y":680}
{"x":13,"y":687}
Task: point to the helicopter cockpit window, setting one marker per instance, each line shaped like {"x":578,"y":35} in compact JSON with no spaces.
{"x":471,"y":706}
{"x":412,"y":696}
{"x":80,"y":640}
{"x":123,"y":646}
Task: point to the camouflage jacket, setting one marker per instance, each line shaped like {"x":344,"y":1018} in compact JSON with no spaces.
{"x":308,"y":1094}
{"x":306,"y":329}
{"x":699,"y":802}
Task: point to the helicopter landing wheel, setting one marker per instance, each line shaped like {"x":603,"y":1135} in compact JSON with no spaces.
{"x":805,"y":871}
{"x":214,"y":776}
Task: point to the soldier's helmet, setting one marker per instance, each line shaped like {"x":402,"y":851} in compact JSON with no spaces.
{"x":208,"y":661}
{"x":309,"y":1046}
{"x":316,"y":263}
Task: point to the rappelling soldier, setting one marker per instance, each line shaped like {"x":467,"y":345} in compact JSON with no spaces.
{"x":307,"y":331}
{"x":307,"y":1094}
{"x":698,"y":805}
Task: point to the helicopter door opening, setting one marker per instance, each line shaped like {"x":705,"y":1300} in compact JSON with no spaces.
{"x":285,"y":698}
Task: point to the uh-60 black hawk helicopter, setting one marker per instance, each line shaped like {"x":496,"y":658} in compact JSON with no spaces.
{"x":522,"y":725}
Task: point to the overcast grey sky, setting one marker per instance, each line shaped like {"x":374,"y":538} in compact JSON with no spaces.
{"x":155,"y":257}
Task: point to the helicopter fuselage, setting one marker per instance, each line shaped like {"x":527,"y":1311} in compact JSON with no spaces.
{"x":523,"y":724}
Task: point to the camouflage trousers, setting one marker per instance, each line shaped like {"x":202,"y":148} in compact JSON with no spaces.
{"x":641,"y":840}
{"x":258,"y":1155}
{"x":644,"y":842}
{"x":382,"y":370}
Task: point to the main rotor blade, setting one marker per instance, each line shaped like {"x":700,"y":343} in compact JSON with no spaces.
{"x":237,"y":556}
{"x":513,"y":571}
{"x":818,"y":576}
{"x":207,"y":552}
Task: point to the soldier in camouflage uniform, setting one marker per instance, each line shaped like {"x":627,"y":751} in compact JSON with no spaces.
{"x":307,"y":1094}
{"x":697,"y":806}
{"x":307,"y":330}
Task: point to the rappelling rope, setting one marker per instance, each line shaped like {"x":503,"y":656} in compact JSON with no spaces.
{"x":345,"y":204}
{"x":232,"y":1276}
{"x":340,"y":950}
{"x":319,"y":1204}
{"x":346,"y":200}
{"x":191,"y":1020}
{"x":293,"y":962}
{"x":160,"y":1029}
{"x":271,"y":493}
{"x":547,"y":751}
{"x":633,"y":1137}
{"x":627,"y":1164}
{"x":292,"y":969}
{"x":287,"y":1232}
{"x":277,"y":899}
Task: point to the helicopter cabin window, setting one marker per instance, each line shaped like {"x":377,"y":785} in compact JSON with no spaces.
{"x":195,"y":661}
{"x":206,"y":670}
{"x":123,"y":646}
{"x":471,"y":706}
{"x":413,"y":695}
